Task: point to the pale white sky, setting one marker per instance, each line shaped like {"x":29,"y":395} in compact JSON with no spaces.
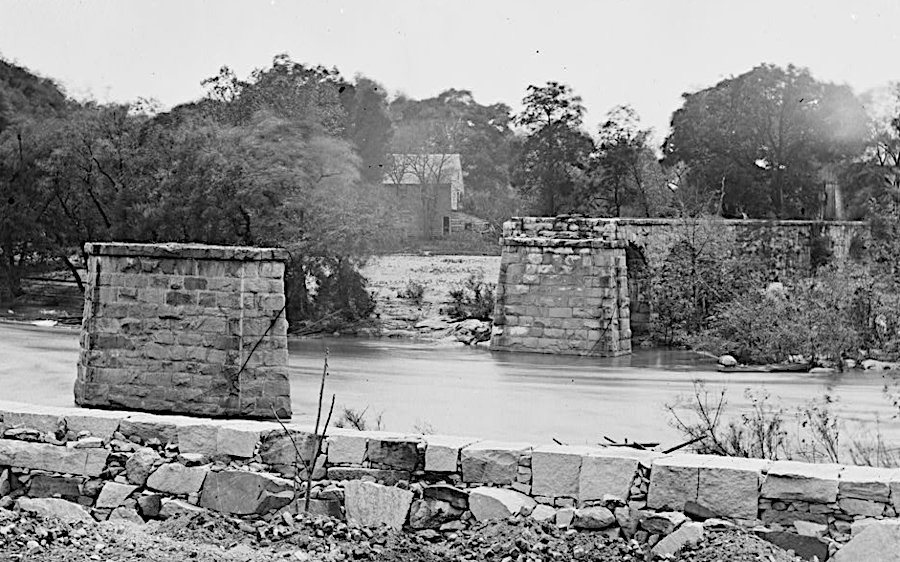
{"x":611,"y":52}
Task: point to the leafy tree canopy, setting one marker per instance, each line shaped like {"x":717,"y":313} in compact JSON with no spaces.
{"x":760,"y":140}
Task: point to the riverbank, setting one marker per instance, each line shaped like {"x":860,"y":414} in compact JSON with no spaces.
{"x":390,"y":276}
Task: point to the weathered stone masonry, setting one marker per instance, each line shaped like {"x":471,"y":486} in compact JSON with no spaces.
{"x":139,"y":466}
{"x":185,"y":328}
{"x":561,"y":290}
{"x":534,"y":285}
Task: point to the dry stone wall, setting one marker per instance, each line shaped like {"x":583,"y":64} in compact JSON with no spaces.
{"x":185,"y":328}
{"x":122,"y":465}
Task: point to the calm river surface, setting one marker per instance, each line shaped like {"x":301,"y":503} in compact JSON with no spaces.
{"x":452,"y":389}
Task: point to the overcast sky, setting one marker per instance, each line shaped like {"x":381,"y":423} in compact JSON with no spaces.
{"x":645,"y":53}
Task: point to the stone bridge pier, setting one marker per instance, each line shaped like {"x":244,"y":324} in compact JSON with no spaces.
{"x":563,"y":289}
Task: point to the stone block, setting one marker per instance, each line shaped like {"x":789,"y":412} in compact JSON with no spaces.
{"x":241,"y":438}
{"x":814,"y":483}
{"x":866,"y":508}
{"x":55,"y":508}
{"x":43,"y":456}
{"x":42,"y":418}
{"x":808,"y":548}
{"x":670,"y":545}
{"x":45,"y":486}
{"x":866,"y":483}
{"x":147,"y":427}
{"x":497,"y":503}
{"x":346,"y":447}
{"x":393,"y":453}
{"x":492,"y":462}
{"x":674,"y":481}
{"x":243,"y":493}
{"x":279,"y":448}
{"x":608,"y":473}
{"x":878,"y":542}
{"x":729,"y":486}
{"x":114,"y":494}
{"x":555,"y":470}
{"x":175,"y":478}
{"x":372,"y":505}
{"x":442,"y":452}
{"x":199,"y":438}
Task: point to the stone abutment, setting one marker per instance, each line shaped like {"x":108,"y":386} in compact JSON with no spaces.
{"x":185,"y":328}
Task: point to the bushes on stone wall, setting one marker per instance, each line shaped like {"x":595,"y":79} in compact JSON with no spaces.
{"x":837,"y":314}
{"x":697,"y":275}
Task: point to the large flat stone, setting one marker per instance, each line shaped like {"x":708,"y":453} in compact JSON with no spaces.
{"x":497,"y":503}
{"x":114,"y":494}
{"x":442,"y":452}
{"x":42,"y":418}
{"x":241,"y":438}
{"x":866,"y":483}
{"x":607,"y":473}
{"x":372,"y":505}
{"x":674,"y":481}
{"x":55,"y":508}
{"x":555,"y":470}
{"x":346,"y":447}
{"x":492,"y":462}
{"x":99,"y":423}
{"x":242,"y":493}
{"x":807,"y":548}
{"x":815,"y":483}
{"x":878,"y":542}
{"x":853,"y":506}
{"x":396,"y":454}
{"x":43,"y":456}
{"x":729,"y":486}
{"x":44,"y":486}
{"x":278,"y":447}
{"x":198,"y":438}
{"x":687,"y":534}
{"x":148,"y":426}
{"x":175,"y":478}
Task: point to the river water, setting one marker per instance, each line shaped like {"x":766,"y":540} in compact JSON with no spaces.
{"x":452,"y":389}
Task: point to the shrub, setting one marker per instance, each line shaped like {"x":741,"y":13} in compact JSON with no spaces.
{"x":698,"y":274}
{"x":812,"y":433}
{"x":326,"y":294}
{"x":413,"y":291}
{"x":824,"y":318}
{"x":474,"y":299}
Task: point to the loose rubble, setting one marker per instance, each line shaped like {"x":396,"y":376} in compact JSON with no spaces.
{"x":208,"y":537}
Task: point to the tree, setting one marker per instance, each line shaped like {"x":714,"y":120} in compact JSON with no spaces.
{"x":555,"y":149}
{"x":760,"y":140}
{"x":480,"y":134}
{"x":368,"y":126}
{"x":627,"y":177}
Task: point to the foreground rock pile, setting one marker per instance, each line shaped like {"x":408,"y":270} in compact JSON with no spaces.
{"x":207,"y":537}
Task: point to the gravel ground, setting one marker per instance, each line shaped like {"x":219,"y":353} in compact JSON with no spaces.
{"x":212,"y":537}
